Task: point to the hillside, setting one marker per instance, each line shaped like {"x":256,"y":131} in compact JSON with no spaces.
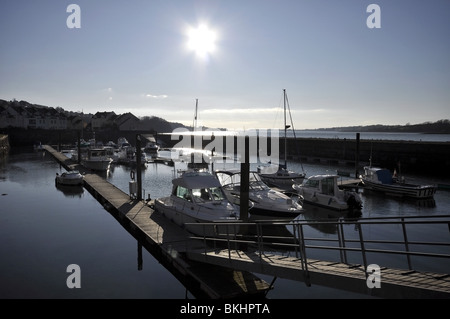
{"x":439,"y":127}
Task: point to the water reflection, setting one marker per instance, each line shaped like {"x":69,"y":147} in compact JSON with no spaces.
{"x":71,"y":191}
{"x":318,"y":218}
{"x":377,"y":196}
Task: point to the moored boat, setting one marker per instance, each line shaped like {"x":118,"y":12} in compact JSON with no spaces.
{"x":198,"y":197}
{"x":265,"y":202}
{"x":323,"y":190}
{"x":382,"y":180}
{"x":279,"y":175}
{"x":152,"y":147}
{"x":97,"y":160}
{"x":69,"y":178}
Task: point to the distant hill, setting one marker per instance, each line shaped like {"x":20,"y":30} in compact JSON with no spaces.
{"x":160,"y":125}
{"x":439,"y":127}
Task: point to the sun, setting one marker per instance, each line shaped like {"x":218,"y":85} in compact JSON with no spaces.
{"x":202,"y":40}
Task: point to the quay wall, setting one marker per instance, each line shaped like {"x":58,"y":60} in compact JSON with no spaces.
{"x":418,"y":157}
{"x":431,"y":158}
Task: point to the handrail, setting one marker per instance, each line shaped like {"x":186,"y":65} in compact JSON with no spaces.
{"x":299,"y":243}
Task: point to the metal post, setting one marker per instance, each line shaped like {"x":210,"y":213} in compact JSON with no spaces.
{"x":138,"y":168}
{"x":295,"y":235}
{"x":341,"y":236}
{"x":363,"y":250}
{"x":405,"y":237}
{"x":79,"y":148}
{"x":304,"y":260}
{"x":59,"y":141}
{"x":245,"y":179}
{"x":357,"y":156}
{"x":259,"y":237}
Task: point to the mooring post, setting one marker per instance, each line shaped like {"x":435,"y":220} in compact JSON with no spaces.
{"x":138,"y":167}
{"x":357,"y":157}
{"x":59,"y":141}
{"x":245,"y":176}
{"x":79,"y":148}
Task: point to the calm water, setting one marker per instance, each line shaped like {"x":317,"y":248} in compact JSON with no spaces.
{"x":374,"y":136}
{"x":348,"y":135}
{"x":43,"y":229}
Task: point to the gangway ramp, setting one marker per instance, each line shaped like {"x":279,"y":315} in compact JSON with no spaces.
{"x":290,"y":260}
{"x":395,"y":283}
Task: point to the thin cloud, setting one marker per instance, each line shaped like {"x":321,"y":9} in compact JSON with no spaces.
{"x":257,"y":110}
{"x":241,"y":111}
{"x":157,"y":97}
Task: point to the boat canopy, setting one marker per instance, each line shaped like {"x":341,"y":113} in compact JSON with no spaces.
{"x":195,"y":180}
{"x":233,"y":177}
{"x":384,"y":176}
{"x":321,"y":177}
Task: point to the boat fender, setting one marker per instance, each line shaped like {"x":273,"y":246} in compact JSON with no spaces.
{"x":132,"y":175}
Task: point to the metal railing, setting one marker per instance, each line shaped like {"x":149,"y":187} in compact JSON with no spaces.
{"x":295,"y":237}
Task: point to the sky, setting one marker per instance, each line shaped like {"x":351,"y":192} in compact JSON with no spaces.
{"x":342,"y":63}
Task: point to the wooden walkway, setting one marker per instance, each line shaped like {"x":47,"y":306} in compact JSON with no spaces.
{"x":394,"y":283}
{"x":167,"y":242}
{"x":223,"y":274}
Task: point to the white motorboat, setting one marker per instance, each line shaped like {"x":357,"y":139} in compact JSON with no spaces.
{"x":382,"y":180}
{"x":324,"y":191}
{"x":265,"y":202}
{"x":97,"y":160}
{"x":69,"y":178}
{"x":278,"y":175}
{"x":152,"y":147}
{"x":198,"y":197}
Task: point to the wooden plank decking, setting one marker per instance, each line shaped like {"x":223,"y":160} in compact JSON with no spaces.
{"x":395,"y":283}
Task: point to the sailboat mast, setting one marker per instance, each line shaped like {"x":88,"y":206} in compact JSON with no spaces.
{"x":285,"y":130}
{"x":194,"y":124}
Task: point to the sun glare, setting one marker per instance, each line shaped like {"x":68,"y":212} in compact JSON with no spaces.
{"x":201,"y":40}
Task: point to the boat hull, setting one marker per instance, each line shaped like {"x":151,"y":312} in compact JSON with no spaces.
{"x":402,"y":190}
{"x":282,"y":182}
{"x":328,"y":203}
{"x":257,"y":213}
{"x":69,"y":179}
{"x":323,"y":191}
{"x":70,"y":182}
{"x":185,"y":218}
{"x":281,"y":210}
{"x":97,"y":165}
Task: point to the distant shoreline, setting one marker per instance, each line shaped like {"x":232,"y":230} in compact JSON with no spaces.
{"x":438,"y":127}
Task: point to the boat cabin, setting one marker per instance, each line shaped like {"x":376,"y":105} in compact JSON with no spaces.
{"x":325,"y":184}
{"x":95,"y":153}
{"x":198,"y":187}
